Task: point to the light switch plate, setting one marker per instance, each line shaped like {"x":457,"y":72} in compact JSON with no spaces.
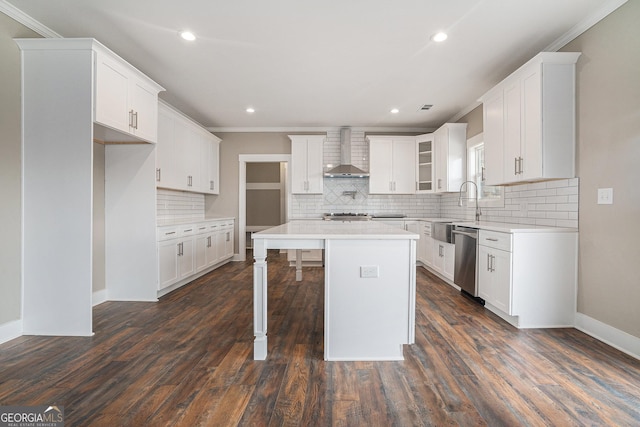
{"x":605,"y":196}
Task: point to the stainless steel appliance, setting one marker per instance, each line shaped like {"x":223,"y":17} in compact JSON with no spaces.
{"x":346,"y":216}
{"x":442,"y":231}
{"x":464,"y":273}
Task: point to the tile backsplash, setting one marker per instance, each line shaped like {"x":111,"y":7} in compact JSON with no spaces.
{"x":178,"y":206}
{"x":551,"y":203}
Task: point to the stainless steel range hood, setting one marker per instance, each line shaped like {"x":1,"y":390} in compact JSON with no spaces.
{"x":345,"y":169}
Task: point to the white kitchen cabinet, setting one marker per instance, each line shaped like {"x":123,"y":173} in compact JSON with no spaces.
{"x":187,"y":251}
{"x":424,"y":163}
{"x":529,"y":278}
{"x":426,"y":242}
{"x":529,"y":122}
{"x":444,"y":258}
{"x":306,"y":164}
{"x":60,"y":93}
{"x":392,"y":161}
{"x":214,"y":166}
{"x":187,"y":157}
{"x":126,"y":100}
{"x":494,"y":277}
{"x":450,"y":145}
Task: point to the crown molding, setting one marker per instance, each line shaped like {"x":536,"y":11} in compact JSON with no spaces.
{"x":317,"y":129}
{"x":13,"y":12}
{"x":585,"y":24}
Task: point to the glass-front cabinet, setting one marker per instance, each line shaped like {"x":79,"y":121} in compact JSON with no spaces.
{"x":425,"y":169}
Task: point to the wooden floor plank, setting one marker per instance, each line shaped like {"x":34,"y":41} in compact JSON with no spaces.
{"x":187,"y":360}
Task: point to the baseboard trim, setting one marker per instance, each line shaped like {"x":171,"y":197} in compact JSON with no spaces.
{"x":10,"y":330}
{"x":616,"y":338}
{"x":98,"y":297}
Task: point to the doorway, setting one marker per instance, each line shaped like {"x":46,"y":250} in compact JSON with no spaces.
{"x":283,"y":160}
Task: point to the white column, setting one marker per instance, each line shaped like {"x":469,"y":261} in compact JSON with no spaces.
{"x":298,"y":265}
{"x":260,"y":299}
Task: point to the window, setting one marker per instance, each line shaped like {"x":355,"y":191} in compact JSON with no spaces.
{"x":489,"y":195}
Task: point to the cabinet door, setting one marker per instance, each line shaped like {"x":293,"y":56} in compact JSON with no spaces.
{"x":201,"y":252}
{"x":531,"y":143}
{"x":315,"y":174}
{"x":494,"y":277}
{"x":494,"y":139}
{"x":502,"y":280}
{"x":214,"y":167}
{"x":299,"y":156}
{"x":165,"y":151}
{"x":428,"y":249}
{"x":211,"y":250}
{"x":424,"y":163}
{"x":112,"y":87}
{"x":144,"y":103}
{"x":441,"y":136}
{"x":512,"y":132}
{"x":403,"y":167}
{"x":438,"y":256}
{"x":380,"y":166}
{"x":306,"y":165}
{"x":167,"y":263}
{"x":228,"y":243}
{"x":183,"y":159}
{"x":186,"y":261}
{"x":449,"y":260}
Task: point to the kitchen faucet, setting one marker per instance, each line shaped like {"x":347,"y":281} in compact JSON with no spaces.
{"x":478,"y":212}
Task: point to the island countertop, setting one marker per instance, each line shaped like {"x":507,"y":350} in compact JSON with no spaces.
{"x":352,"y":230}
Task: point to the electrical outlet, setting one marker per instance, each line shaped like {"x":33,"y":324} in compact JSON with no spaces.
{"x":605,"y":196}
{"x":369,"y":271}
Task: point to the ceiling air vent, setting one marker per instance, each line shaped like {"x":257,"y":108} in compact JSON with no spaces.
{"x":426,"y":107}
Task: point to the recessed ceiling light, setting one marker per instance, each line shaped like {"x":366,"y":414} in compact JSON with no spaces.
{"x":250,"y":110}
{"x":187,"y":35}
{"x":439,"y":37}
{"x":394,"y":111}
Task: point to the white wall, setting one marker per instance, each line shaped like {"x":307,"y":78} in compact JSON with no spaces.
{"x":10,"y":171}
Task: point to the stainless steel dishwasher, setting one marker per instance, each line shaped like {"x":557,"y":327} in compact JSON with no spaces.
{"x":464,"y":273}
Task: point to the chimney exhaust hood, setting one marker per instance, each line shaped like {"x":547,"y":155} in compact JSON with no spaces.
{"x":345,"y":169}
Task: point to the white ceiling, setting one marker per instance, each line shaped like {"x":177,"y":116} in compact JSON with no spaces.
{"x":319,"y":64}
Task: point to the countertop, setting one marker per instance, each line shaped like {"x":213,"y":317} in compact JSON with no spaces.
{"x":165,"y":223}
{"x":514,"y":228}
{"x":314,"y":229}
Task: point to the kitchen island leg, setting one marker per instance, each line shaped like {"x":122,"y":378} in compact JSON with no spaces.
{"x":260,"y":299}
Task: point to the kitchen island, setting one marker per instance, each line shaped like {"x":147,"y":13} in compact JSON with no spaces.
{"x":369,"y":286}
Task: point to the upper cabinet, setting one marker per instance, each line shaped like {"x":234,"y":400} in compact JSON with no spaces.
{"x":306,"y":164}
{"x":529,"y":122}
{"x":187,"y":155}
{"x":424,"y":166}
{"x":125,"y":100}
{"x":450,"y":146}
{"x":392,"y":162}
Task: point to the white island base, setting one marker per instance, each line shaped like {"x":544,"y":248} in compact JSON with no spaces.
{"x":369,"y":310}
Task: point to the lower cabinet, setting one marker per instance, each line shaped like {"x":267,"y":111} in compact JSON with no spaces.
{"x":444,"y":258}
{"x":186,"y":252}
{"x":529,"y":278}
{"x":494,"y":277}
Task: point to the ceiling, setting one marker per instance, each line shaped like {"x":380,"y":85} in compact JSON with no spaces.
{"x":322,"y":64}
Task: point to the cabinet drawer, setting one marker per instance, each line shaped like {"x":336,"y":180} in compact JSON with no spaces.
{"x":426,"y":228}
{"x":494,"y":239}
{"x":166,"y":233}
{"x":188,"y":230}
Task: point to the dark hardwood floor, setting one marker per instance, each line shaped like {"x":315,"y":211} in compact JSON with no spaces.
{"x":188,"y":360}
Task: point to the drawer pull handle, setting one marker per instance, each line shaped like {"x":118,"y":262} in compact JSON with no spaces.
{"x":491,"y":239}
{"x":170,"y":232}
